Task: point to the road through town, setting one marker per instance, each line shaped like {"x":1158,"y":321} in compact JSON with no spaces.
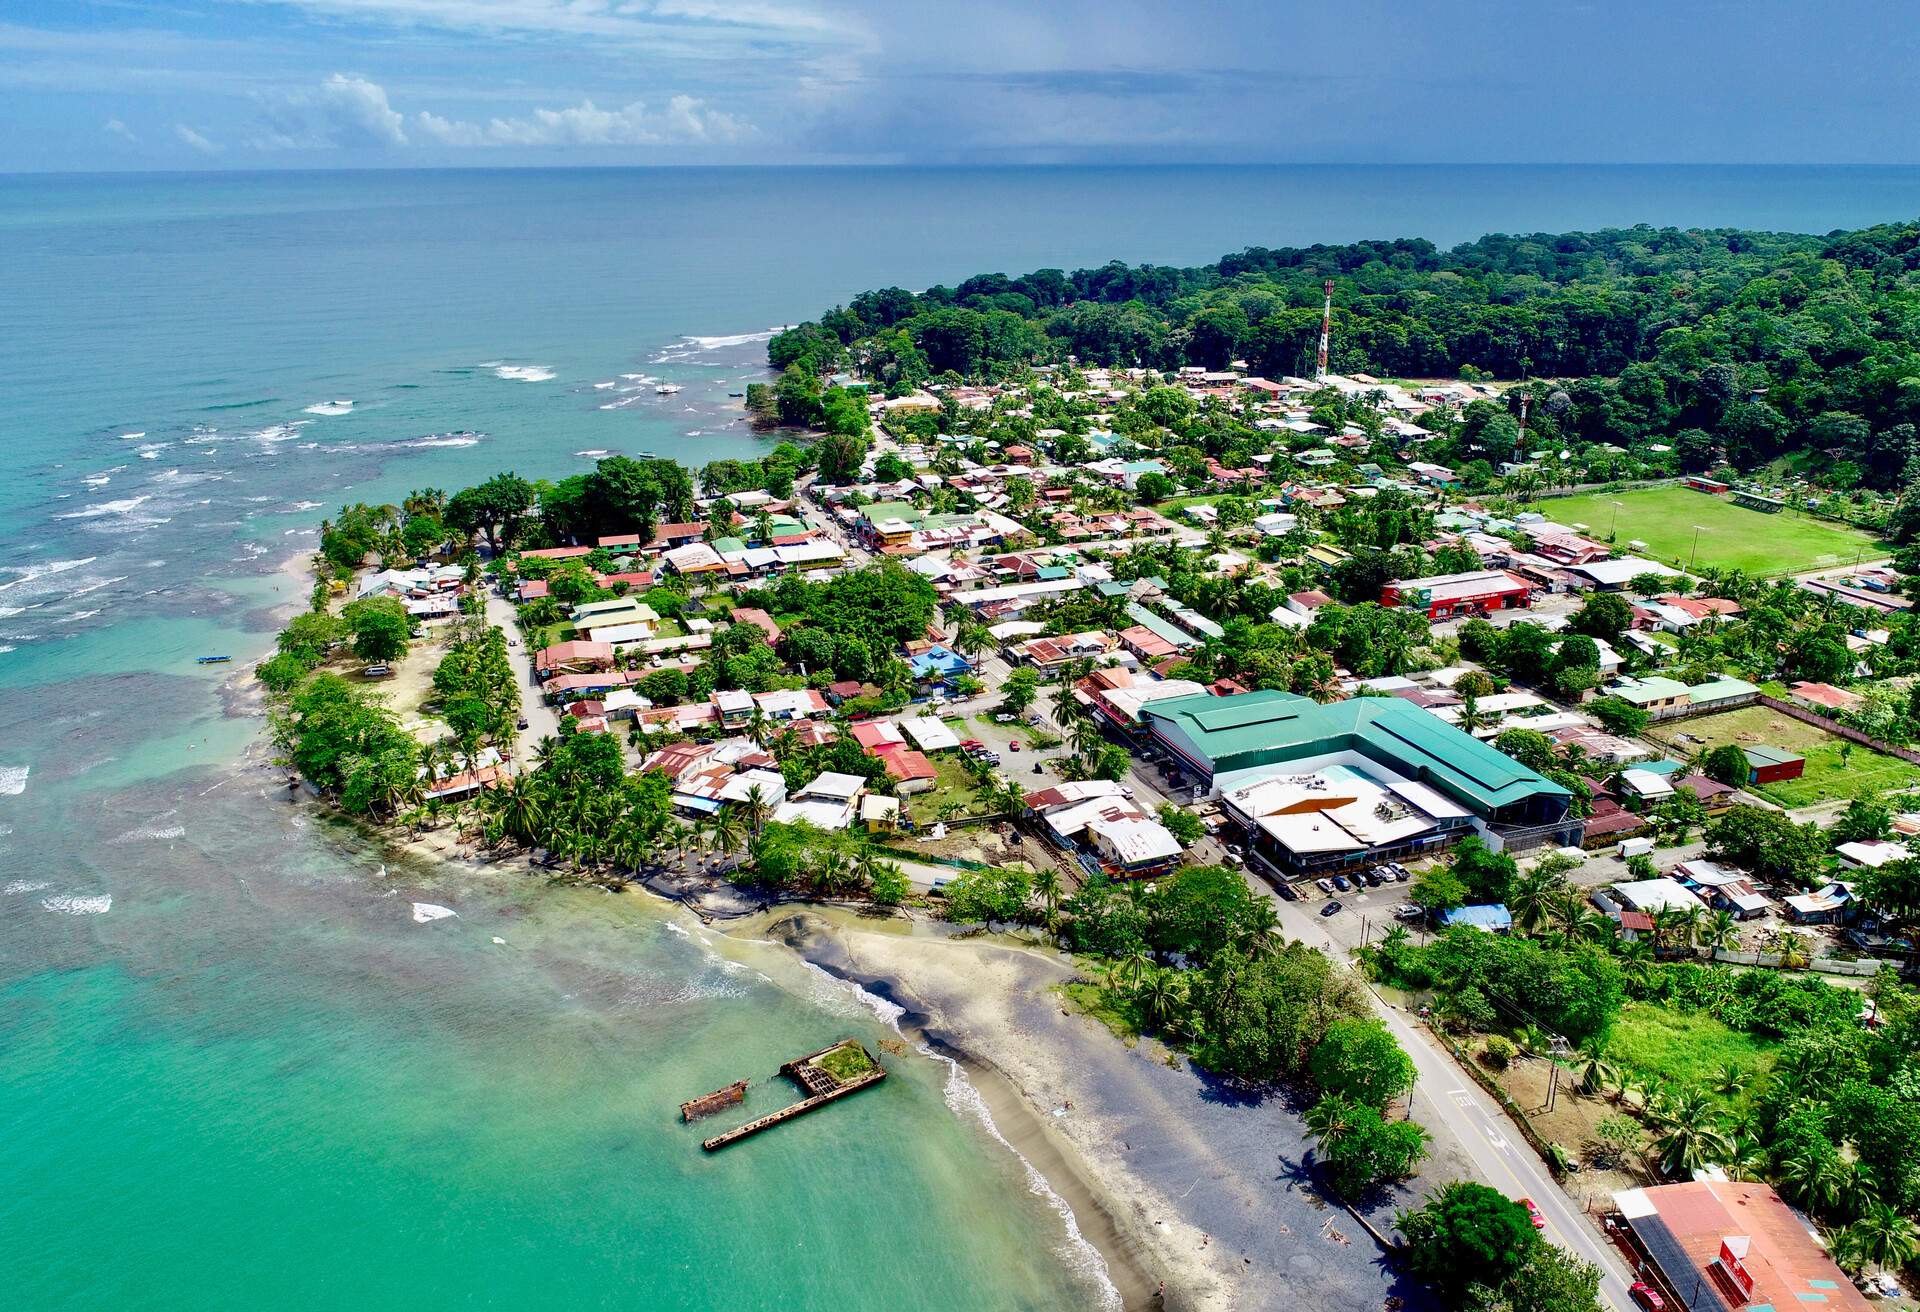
{"x":1448,"y":1102}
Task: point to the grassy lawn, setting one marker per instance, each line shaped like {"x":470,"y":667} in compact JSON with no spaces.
{"x":845,"y":1062}
{"x":1114,"y":1011}
{"x":1731,"y":537}
{"x":951,"y":783}
{"x":1683,"y":1047}
{"x":1861,"y":772}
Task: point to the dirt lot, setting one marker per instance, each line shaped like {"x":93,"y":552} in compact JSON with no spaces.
{"x":1571,"y":1124}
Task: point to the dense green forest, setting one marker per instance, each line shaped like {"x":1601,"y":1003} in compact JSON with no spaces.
{"x":1753,"y":343}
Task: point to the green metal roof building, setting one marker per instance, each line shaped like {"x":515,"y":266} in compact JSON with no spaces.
{"x":1218,"y":735}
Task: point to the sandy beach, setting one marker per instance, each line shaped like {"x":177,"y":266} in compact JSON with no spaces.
{"x":1174,"y":1176}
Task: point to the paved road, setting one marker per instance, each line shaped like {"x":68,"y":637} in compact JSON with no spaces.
{"x":542,"y":720}
{"x":1448,"y":1102}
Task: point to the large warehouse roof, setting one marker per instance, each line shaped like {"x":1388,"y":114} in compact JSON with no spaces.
{"x":1260,"y":728}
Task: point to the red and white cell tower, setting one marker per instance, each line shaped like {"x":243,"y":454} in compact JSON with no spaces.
{"x":1326,"y":332}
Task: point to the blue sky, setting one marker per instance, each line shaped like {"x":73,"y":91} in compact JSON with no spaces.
{"x":169,"y":84}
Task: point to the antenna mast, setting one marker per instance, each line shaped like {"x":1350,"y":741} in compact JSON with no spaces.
{"x":1326,"y":331}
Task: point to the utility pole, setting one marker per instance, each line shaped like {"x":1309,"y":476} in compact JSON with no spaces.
{"x":1326,"y":332}
{"x":1520,"y":442}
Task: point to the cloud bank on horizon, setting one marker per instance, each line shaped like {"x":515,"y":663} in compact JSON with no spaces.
{"x":353,"y":83}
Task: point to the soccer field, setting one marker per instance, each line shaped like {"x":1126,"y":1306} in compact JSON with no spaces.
{"x":1731,"y":537}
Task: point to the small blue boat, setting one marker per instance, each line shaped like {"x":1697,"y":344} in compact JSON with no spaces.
{"x":211,"y":660}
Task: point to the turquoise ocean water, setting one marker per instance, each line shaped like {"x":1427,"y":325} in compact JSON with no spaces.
{"x":234,"y":1071}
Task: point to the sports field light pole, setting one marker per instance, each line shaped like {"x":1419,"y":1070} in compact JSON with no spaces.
{"x":1613,"y":525}
{"x":1697,"y":529}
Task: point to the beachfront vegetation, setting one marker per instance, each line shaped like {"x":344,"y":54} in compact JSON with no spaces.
{"x":1478,"y":1248}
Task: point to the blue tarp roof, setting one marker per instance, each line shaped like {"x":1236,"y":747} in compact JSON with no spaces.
{"x":1495,"y":917}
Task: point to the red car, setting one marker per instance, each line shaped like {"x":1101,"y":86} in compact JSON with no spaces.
{"x":1014,"y":746}
{"x":1533,"y":1214}
{"x":1646,"y":1296}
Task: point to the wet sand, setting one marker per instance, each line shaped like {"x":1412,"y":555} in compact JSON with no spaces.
{"x":1174,"y":1176}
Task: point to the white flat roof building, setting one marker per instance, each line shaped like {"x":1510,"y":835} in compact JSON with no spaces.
{"x":1652,"y":895}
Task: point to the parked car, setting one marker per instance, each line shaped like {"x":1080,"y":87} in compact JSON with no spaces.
{"x":1004,"y":717}
{"x":520,"y":723}
{"x":1324,"y":885}
{"x":1373,"y":877}
{"x":1533,"y":1214}
{"x":1340,"y":882}
{"x":1400,"y":872}
{"x":1330,"y":909}
{"x":1408,"y":911}
{"x":1646,"y":1296}
{"x":377,"y":671}
{"x":1014,"y":745}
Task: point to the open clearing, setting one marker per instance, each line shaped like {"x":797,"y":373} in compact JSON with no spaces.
{"x":1861,"y":772}
{"x":1731,"y":537}
{"x":1684,"y":1047}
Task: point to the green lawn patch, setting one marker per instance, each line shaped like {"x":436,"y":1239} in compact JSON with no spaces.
{"x":1731,"y":536}
{"x":1835,"y":769}
{"x":1112,"y":1010}
{"x":1682,"y":1047}
{"x":846,"y":1062}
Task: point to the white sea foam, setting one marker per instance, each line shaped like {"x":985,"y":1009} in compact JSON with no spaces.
{"x":275,"y":433}
{"x":98,"y":508}
{"x":426,"y":912}
{"x":72,"y":904}
{"x":523,"y":373}
{"x":154,"y":831}
{"x":13,"y":780}
{"x":736,"y":339}
{"x":443,"y":439}
{"x":77,"y":616}
{"x":330,"y":408}
{"x":98,"y":480}
{"x":601,"y":387}
{"x":19,"y":887}
{"x":300,"y":506}
{"x":1076,"y":1252}
{"x":6,"y":647}
{"x":131,"y":437}
{"x":594,"y":454}
{"x":96,"y":585}
{"x":33,"y":573}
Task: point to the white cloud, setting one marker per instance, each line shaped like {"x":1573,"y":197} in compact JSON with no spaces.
{"x":685,"y":120}
{"x":195,"y":140}
{"x":344,"y":110}
{"x":119,"y":129}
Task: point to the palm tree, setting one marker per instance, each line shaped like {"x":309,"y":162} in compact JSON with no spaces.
{"x":1327,"y":1125}
{"x":1814,"y":1179}
{"x":1534,"y":896}
{"x":1721,"y":931}
{"x":1046,"y":883}
{"x":1792,"y":949}
{"x":1162,"y":998}
{"x":1596,"y":1072}
{"x":1730,"y":1079}
{"x":727,"y":829}
{"x":1472,"y":719}
{"x":1690,"y":923}
{"x":1885,"y":1238}
{"x":1134,"y":967}
{"x":754,"y":810}
{"x":1691,"y":1135}
{"x":1747,"y":1161}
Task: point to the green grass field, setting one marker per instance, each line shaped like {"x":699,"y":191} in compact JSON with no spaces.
{"x":1685,"y":1047}
{"x":1731,"y":537}
{"x":1829,"y":775}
